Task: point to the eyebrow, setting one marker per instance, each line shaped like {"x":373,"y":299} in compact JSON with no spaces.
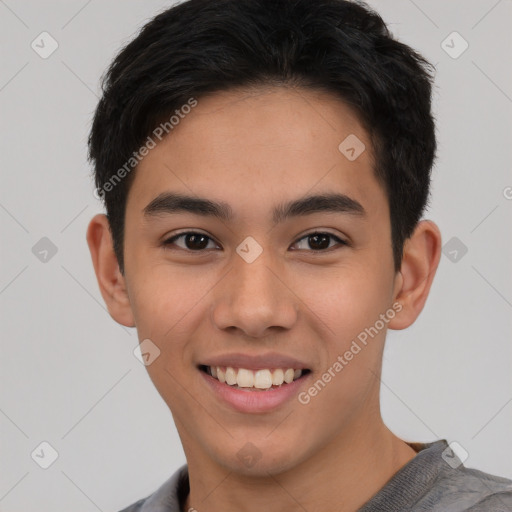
{"x":172,"y":202}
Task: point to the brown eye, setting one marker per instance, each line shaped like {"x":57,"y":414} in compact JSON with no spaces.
{"x":195,"y":241}
{"x":319,"y":241}
{"x":191,"y":241}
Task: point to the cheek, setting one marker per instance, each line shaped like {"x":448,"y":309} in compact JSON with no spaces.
{"x":349,"y":307}
{"x":168,"y":306}
{"x":356,"y":305}
{"x":348,"y":301}
{"x":168,"y":309}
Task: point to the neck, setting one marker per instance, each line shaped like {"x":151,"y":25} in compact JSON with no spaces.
{"x":342,"y":476}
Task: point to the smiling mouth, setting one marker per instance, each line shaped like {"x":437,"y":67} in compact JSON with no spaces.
{"x":254,"y":380}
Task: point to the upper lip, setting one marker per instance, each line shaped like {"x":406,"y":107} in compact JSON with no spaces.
{"x":256,"y":362}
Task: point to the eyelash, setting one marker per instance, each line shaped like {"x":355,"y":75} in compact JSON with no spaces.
{"x":170,"y":241}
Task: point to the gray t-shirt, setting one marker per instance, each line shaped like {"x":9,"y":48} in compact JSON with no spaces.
{"x":433,"y":481}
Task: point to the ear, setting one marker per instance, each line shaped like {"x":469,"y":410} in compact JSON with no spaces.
{"x":111,"y":282}
{"x":422,"y":252}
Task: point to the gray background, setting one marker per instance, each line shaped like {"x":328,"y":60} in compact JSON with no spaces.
{"x":68,"y":373}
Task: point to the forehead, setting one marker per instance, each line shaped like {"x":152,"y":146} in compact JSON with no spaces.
{"x":252,"y":147}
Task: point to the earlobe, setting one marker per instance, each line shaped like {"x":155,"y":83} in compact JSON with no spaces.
{"x":110,"y":280}
{"x":422,"y":252}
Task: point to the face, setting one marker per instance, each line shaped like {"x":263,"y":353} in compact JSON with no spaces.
{"x":278,"y":273}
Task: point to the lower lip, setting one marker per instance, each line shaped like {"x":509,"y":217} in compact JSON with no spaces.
{"x":254,"y":401}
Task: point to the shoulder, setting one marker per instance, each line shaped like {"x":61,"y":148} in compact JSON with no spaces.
{"x":464,"y":489}
{"x":135,"y":507}
{"x":497,"y":502}
{"x":494,"y":492}
{"x":167,"y":497}
{"x":436,"y":480}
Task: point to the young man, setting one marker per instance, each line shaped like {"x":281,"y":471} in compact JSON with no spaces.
{"x":265,"y":165}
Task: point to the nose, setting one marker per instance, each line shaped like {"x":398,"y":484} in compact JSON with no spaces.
{"x":254,"y":299}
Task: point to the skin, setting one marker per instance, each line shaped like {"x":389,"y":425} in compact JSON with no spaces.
{"x":264,"y":147}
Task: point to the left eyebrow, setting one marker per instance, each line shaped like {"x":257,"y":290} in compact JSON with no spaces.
{"x":171,"y":202}
{"x":329,"y":203}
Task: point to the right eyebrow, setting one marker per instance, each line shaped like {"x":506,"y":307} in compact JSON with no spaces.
{"x":171,"y":202}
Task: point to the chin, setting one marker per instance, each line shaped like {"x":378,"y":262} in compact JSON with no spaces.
{"x":261,"y":459}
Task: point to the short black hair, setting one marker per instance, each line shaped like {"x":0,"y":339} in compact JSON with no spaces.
{"x":200,"y":47}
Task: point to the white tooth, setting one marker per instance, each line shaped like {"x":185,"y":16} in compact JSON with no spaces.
{"x":213,"y":371}
{"x":263,"y":379}
{"x":230,"y":376}
{"x":278,"y":377}
{"x":288,"y":375}
{"x":221,"y":375}
{"x":245,"y":378}
{"x":297,"y":374}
